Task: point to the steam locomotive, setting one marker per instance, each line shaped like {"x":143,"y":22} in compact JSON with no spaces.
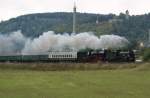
{"x":73,"y":56}
{"x":107,"y":56}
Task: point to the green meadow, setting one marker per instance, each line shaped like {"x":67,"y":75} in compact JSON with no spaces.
{"x":100,"y":83}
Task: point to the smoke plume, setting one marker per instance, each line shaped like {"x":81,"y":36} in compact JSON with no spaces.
{"x":12,"y":44}
{"x":16,"y":43}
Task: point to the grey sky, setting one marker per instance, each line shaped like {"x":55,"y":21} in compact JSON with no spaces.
{"x":13,"y":8}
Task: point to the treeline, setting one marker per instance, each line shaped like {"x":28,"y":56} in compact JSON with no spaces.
{"x":135,"y":28}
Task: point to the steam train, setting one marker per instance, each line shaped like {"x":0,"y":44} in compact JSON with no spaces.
{"x":73,"y":56}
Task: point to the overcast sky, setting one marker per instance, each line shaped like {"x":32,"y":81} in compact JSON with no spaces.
{"x":13,"y":8}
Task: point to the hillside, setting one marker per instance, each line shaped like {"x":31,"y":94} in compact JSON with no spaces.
{"x":135,"y":29}
{"x":34,"y":25}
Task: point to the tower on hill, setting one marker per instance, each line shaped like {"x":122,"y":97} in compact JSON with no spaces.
{"x":97,"y":20}
{"x":74,"y":18}
{"x":127,"y":14}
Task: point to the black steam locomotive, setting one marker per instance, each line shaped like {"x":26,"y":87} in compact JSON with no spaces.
{"x":73,"y":56}
{"x":107,"y":56}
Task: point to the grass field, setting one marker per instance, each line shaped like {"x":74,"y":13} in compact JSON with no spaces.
{"x":118,"y":83}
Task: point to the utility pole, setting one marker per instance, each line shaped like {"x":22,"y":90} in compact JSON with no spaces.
{"x":149,"y":38}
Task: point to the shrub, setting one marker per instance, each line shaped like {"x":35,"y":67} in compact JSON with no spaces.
{"x":146,"y":54}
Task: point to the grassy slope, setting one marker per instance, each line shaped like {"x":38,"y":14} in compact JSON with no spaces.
{"x":125,"y":83}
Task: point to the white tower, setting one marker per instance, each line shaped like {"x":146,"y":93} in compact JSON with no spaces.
{"x":97,"y":20}
{"x":74,"y":18}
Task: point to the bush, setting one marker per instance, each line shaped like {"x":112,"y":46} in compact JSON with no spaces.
{"x":146,"y":54}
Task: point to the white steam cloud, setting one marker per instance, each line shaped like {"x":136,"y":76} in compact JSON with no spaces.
{"x":12,"y":44}
{"x":16,"y":43}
